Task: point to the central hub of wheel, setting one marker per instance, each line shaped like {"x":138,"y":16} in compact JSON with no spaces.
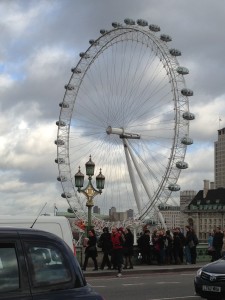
{"x":122,"y":133}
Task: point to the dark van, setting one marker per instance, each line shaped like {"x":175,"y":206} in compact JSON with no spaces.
{"x":39,"y":265}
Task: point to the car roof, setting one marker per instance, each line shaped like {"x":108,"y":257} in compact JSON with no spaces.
{"x":30,"y":232}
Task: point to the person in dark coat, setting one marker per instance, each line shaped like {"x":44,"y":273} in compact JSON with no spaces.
{"x":144,"y":246}
{"x":193,"y":249}
{"x":91,"y":250}
{"x":191,"y":241}
{"x":168,"y":247}
{"x":128,"y":250}
{"x":181,"y":249}
{"x":217,"y":243}
{"x":105,"y":243}
{"x":176,"y":247}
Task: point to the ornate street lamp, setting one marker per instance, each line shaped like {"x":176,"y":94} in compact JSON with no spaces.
{"x":89,"y":191}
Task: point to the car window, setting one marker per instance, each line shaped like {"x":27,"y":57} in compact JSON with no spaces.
{"x":47,"y":265}
{"x":9,"y":274}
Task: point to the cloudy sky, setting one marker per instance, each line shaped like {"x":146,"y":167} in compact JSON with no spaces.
{"x":40,"y":42}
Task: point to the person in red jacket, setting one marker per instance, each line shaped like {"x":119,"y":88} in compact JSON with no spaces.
{"x":117,"y":253}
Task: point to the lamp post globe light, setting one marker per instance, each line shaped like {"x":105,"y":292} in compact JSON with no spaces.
{"x":89,"y":191}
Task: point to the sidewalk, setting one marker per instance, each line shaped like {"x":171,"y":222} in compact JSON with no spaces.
{"x":144,"y":269}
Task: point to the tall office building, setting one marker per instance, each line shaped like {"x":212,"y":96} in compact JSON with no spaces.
{"x":219,"y":159}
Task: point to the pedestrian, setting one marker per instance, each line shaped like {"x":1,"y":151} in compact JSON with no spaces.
{"x":187,"y":250}
{"x":145,"y":247}
{"x":117,"y":251}
{"x":193,"y":249}
{"x":91,"y":250}
{"x":176,"y":247}
{"x":217,"y":243}
{"x":168,"y":247}
{"x":210,"y":245}
{"x":161,"y":242}
{"x":156,"y":240}
{"x":223,"y":247}
{"x":128,"y":251}
{"x":182,"y":245}
{"x":105,"y":244}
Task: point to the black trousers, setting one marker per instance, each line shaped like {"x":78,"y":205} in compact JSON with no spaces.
{"x":86,"y":261}
{"x":105,"y":260}
{"x":117,"y":259}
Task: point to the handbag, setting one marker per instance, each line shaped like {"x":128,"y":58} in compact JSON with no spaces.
{"x":211,"y":250}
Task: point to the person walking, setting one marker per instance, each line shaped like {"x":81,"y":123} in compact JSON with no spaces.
{"x":105,"y":243}
{"x":117,"y":252}
{"x":128,"y":248}
{"x":91,"y":250}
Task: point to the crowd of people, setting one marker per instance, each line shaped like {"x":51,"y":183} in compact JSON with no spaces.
{"x":160,"y":246}
{"x":168,"y":247}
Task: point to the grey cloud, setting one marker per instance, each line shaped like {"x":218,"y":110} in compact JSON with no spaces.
{"x":197,"y":29}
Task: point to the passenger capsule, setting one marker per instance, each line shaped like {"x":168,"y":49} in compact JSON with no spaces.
{"x":165,"y":38}
{"x":181,"y":165}
{"x":93,"y":42}
{"x":188,"y":116}
{"x":175,"y":52}
{"x":142,"y":22}
{"x":187,"y":92}
{"x":84,"y":55}
{"x":60,"y":160}
{"x":66,"y":195}
{"x":62,"y":178}
{"x":76,"y":70}
{"x":59,"y":142}
{"x":186,"y":140}
{"x":60,"y":123}
{"x":174,"y":187}
{"x":182,"y":70}
{"x":64,"y":104}
{"x":103,"y":31}
{"x":129,"y":21}
{"x":154,"y":27}
{"x":116,"y":25}
{"x":69,"y":87}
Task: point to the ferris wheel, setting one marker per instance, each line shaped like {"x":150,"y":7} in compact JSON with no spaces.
{"x":126,"y":104}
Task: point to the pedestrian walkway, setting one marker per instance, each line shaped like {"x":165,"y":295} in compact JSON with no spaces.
{"x":144,"y":269}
